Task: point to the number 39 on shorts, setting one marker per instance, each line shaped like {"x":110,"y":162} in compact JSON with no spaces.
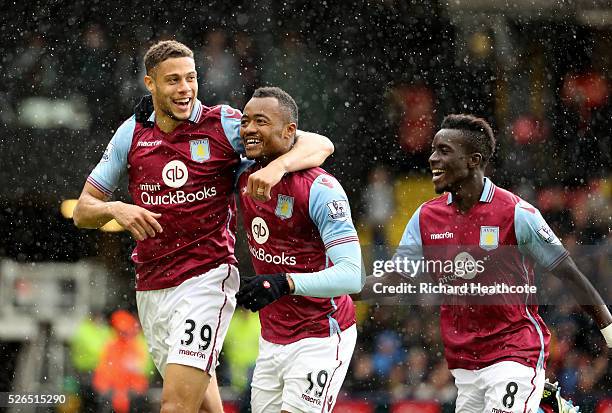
{"x":192,"y":332}
{"x":317,"y":381}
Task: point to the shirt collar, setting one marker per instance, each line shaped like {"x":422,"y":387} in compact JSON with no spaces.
{"x":195,"y":113}
{"x":486,"y":196}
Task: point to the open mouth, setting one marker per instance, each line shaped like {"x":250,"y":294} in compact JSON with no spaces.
{"x":252,"y":142}
{"x":437,"y":174}
{"x":182,"y":103}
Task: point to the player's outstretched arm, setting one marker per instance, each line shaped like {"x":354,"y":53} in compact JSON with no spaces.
{"x":535,"y":237}
{"x":93,"y":211}
{"x":344,"y":277}
{"x":310,"y":150}
{"x":586,"y":295}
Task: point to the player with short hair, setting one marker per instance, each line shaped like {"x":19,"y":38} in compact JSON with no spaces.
{"x":181,"y":164}
{"x":496,"y":347}
{"x":307,"y":256}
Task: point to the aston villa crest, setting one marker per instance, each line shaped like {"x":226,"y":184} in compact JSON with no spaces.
{"x":284,"y":206}
{"x":200,"y":150}
{"x":489,"y":238}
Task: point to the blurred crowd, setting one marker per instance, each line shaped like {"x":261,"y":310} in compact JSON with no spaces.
{"x":105,"y":77}
{"x":378,"y":97}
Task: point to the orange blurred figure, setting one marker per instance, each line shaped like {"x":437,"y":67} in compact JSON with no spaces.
{"x":123,"y":366}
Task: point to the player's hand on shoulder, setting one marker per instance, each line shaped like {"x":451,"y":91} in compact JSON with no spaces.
{"x":141,"y":222}
{"x":261,"y":182}
{"x":262,"y":290}
{"x":144,"y":109}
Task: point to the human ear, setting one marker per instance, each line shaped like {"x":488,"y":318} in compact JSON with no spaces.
{"x":475,"y":160}
{"x":149,"y":83}
{"x":289,"y":132}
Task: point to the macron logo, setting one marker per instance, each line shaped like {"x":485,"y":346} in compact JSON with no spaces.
{"x":443,"y":235}
{"x":192,"y":353}
{"x":147,"y":144}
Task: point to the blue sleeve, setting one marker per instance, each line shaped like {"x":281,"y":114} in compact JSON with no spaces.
{"x":329,"y":210}
{"x":535,"y":238}
{"x":412,"y":232}
{"x":344,"y":277}
{"x":411,"y":244}
{"x":230,"y":120}
{"x":113,"y":165}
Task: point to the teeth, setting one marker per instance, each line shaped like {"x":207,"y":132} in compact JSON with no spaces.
{"x":252,"y":141}
{"x":183,"y":100}
{"x":437,"y":171}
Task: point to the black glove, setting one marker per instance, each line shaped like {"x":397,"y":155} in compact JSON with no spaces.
{"x":143,"y":109}
{"x":262,"y":290}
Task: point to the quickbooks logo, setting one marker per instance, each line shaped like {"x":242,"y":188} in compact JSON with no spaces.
{"x":262,"y":255}
{"x":175,"y":174}
{"x":178,"y":197}
{"x":260,"y":230}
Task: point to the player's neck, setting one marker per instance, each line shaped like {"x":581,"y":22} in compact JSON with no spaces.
{"x":263,"y":161}
{"x":166,"y":124}
{"x":469,"y":193}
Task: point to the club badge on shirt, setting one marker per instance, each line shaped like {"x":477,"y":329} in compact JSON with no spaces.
{"x":284,"y":206}
{"x":200,"y":150}
{"x":489,"y":238}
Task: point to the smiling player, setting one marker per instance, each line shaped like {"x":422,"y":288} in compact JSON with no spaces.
{"x":496,"y":353}
{"x":181,"y":166}
{"x":306,"y":253}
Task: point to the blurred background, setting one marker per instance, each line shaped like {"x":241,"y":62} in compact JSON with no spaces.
{"x":376,"y":77}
